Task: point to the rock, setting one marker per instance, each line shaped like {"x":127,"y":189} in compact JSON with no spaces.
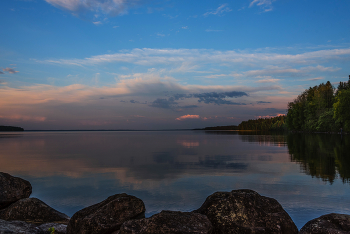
{"x":34,"y":211}
{"x":106,"y":216}
{"x":245,"y":211}
{"x":169,"y":222}
{"x":59,"y":228}
{"x":328,"y":224}
{"x":12,"y":189}
{"x":19,"y":227}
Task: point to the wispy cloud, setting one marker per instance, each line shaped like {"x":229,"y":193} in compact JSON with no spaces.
{"x":10,"y":70}
{"x":317,"y":78}
{"x":97,"y":23}
{"x":147,"y":56}
{"x":266,"y":5}
{"x":110,"y":7}
{"x":219,"y":11}
{"x":267,"y":81}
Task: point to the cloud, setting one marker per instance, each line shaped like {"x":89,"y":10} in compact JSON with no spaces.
{"x":1,"y":72}
{"x":262,"y":102}
{"x":109,"y":7}
{"x":290,"y":71}
{"x":188,"y":117}
{"x":219,"y":11}
{"x":97,"y":23}
{"x":203,"y":57}
{"x":218,"y":98}
{"x":317,"y":78}
{"x":23,"y":118}
{"x":266,"y":5}
{"x":164,"y":103}
{"x":267,"y":81}
{"x":10,"y":70}
{"x":185,"y":27}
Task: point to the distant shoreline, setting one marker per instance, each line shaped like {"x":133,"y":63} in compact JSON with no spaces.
{"x":11,"y":129}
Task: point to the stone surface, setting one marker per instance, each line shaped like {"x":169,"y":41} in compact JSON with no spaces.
{"x":12,"y":189}
{"x":166,"y":222}
{"x":34,"y":211}
{"x":328,"y":224}
{"x":106,"y":216}
{"x":245,"y":211}
{"x":21,"y":227}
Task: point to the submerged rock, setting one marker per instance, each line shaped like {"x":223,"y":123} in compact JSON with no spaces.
{"x":106,"y":216}
{"x":245,"y":211}
{"x":328,"y":224}
{"x":12,"y":189}
{"x":34,"y":211}
{"x":166,"y":222}
{"x":21,"y":227}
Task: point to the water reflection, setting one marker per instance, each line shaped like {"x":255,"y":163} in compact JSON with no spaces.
{"x":321,"y":155}
{"x":178,"y":170}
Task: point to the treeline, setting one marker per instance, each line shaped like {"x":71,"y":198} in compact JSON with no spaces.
{"x":231,"y":127}
{"x":276,"y":124}
{"x":10,"y":128}
{"x":321,"y":108}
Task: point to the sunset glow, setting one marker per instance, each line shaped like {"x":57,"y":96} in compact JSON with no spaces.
{"x":69,"y":64}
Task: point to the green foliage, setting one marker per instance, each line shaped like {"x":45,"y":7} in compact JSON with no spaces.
{"x":320,"y":108}
{"x":275,"y":123}
{"x":51,"y":230}
{"x":342,"y":108}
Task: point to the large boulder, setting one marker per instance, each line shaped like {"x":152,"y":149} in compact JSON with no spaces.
{"x":12,"y":189}
{"x":21,"y":227}
{"x":34,"y":211}
{"x":328,"y":224}
{"x":169,"y":222}
{"x":245,"y":211}
{"x":107,"y":216}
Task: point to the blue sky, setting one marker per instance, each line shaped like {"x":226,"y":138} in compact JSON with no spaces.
{"x":160,"y":64}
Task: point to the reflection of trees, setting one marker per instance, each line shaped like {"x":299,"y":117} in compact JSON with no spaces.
{"x":321,"y":155}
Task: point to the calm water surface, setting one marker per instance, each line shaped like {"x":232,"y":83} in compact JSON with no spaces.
{"x":308,"y":174}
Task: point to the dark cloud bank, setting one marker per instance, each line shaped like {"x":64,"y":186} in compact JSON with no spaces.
{"x":207,"y":98}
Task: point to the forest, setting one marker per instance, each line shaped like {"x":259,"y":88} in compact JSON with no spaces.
{"x":321,"y":108}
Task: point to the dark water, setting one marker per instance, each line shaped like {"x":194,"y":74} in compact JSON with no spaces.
{"x":308,"y":174}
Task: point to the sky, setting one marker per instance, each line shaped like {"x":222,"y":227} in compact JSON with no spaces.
{"x":164,"y":64}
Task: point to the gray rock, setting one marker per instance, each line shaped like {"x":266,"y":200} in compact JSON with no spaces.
{"x":106,"y":216}
{"x":328,"y":224}
{"x":34,"y":211}
{"x":21,"y":227}
{"x":59,"y":228}
{"x":169,"y":222}
{"x":12,"y":189}
{"x":245,"y":211}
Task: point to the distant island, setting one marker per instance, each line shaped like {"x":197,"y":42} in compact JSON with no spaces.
{"x":10,"y":128}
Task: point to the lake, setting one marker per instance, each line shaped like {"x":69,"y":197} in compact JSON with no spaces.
{"x":176,"y":170}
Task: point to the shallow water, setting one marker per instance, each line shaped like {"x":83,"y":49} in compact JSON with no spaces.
{"x":176,"y":170}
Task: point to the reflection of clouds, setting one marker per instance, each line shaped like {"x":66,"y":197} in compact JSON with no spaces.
{"x":188,"y":144}
{"x":72,"y":170}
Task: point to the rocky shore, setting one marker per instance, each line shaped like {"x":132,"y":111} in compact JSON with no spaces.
{"x":237,"y":212}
